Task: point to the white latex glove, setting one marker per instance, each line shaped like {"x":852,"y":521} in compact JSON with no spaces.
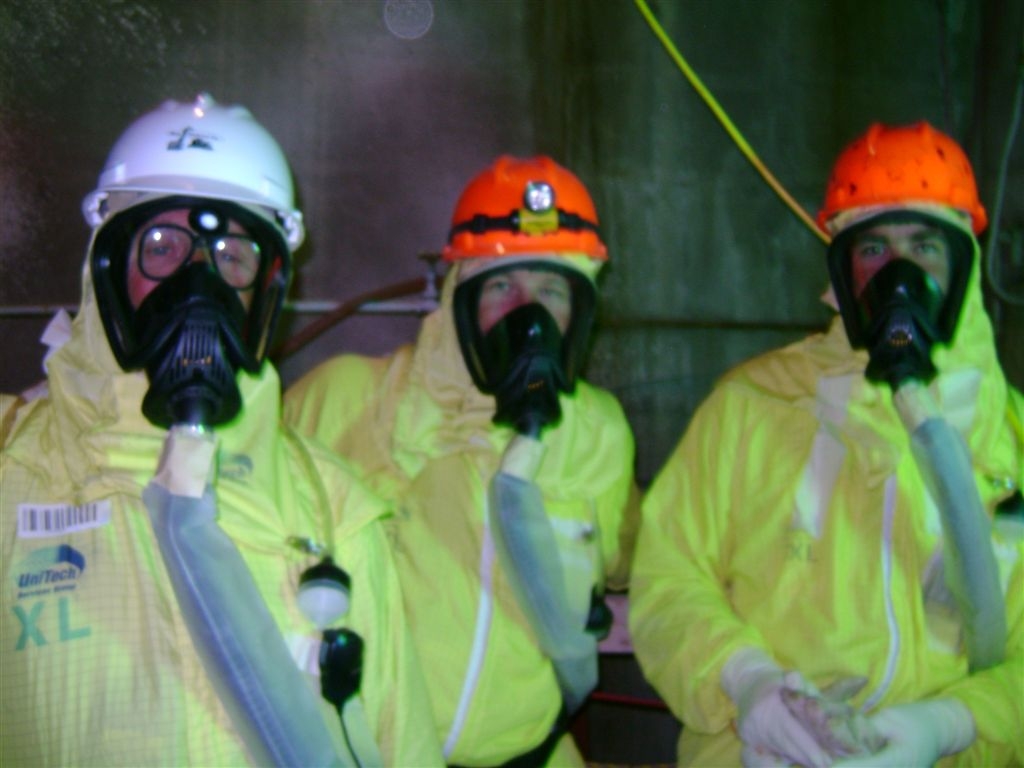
{"x":771,"y":735}
{"x":919,"y":734}
{"x":759,"y":758}
{"x":836,"y":725}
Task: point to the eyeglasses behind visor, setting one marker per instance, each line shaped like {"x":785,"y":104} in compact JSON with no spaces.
{"x":164,"y":248}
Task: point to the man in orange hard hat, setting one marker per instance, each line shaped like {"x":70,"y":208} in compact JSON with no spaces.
{"x":825,"y":572}
{"x":513,"y":477}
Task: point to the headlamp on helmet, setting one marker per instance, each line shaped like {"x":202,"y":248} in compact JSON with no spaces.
{"x":521,"y":206}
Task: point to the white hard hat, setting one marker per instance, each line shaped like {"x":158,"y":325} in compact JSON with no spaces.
{"x":200,"y":149}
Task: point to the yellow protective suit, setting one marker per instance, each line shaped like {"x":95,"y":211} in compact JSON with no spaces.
{"x":792,"y":518}
{"x":96,"y":663}
{"x":423,"y":436}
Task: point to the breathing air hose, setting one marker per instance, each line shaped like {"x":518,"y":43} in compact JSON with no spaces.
{"x":525,"y":541}
{"x":272,"y":706}
{"x":971,"y":571}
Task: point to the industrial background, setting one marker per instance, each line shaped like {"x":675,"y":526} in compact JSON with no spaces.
{"x":386,"y":108}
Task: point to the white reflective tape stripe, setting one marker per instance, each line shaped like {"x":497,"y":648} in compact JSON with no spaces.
{"x":833,"y":398}
{"x":814,"y":492}
{"x":958,"y":397}
{"x":888,"y":519}
{"x":932,"y":517}
{"x":37,"y":521}
{"x":818,"y":480}
{"x":484,"y":613}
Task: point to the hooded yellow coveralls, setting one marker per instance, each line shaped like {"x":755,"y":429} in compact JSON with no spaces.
{"x":422,"y":433}
{"x":96,"y":663}
{"x":792,"y":518}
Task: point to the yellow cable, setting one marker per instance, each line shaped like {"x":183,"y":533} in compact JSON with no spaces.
{"x":726,"y":122}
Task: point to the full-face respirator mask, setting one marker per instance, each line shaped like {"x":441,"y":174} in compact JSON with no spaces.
{"x":524,"y":360}
{"x":192,"y":332}
{"x":901,"y":312}
{"x":899,"y":309}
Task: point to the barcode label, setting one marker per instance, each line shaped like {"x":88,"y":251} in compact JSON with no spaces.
{"x":37,"y":521}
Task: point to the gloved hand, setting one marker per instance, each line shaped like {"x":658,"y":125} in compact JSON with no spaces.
{"x":837,"y":726}
{"x":919,"y":734}
{"x":771,"y":735}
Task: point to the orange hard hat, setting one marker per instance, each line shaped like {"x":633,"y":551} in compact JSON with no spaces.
{"x":520,"y":206}
{"x":896,"y":165}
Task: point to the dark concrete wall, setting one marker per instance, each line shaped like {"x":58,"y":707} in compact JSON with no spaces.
{"x":381,"y":131}
{"x":708,"y":265}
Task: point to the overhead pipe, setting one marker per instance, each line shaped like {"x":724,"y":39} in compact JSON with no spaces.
{"x":425,"y":286}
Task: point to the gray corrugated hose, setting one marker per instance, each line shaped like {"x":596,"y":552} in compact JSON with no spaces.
{"x":270,"y":703}
{"x":971,"y":571}
{"x":525,"y":541}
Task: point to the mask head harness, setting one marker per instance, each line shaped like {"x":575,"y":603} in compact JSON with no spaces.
{"x":901,"y":311}
{"x":192,"y":332}
{"x":524,"y":360}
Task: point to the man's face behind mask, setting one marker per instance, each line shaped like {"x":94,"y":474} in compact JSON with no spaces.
{"x":168,"y":241}
{"x":503,"y":292}
{"x":920,"y":243}
{"x":523,"y":329}
{"x":188,"y":290}
{"x":900,"y":276}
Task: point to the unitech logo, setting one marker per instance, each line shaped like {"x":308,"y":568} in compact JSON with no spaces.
{"x":52,"y":617}
{"x":52,"y":569}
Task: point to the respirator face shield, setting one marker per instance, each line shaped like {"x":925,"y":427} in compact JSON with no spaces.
{"x":195,"y":321}
{"x":525,"y":360}
{"x":900,"y":279}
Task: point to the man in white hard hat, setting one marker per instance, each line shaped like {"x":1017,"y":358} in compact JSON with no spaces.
{"x":185,"y":580}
